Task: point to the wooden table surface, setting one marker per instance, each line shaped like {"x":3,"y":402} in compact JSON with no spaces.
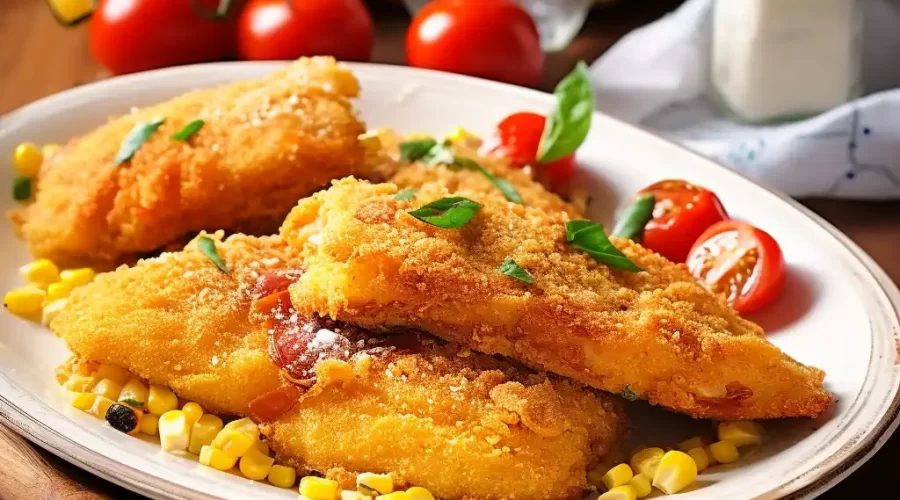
{"x":38,"y":58}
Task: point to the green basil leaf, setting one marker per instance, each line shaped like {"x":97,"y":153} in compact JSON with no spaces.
{"x":510,"y":268}
{"x":136,"y":138}
{"x":189,"y":130}
{"x":405,"y":194}
{"x":21,"y":189}
{"x":635,"y":217}
{"x":570,"y":122}
{"x":441,"y":154}
{"x":416,"y":150}
{"x":629,"y":394}
{"x":590,"y":238}
{"x":447,"y":213}
{"x":133,"y":403}
{"x":208,"y":247}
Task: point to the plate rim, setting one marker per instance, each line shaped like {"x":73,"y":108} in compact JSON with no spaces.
{"x":825,"y":475}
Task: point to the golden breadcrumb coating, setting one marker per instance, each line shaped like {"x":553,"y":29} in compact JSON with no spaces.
{"x":657,"y":333}
{"x":463,"y":425}
{"x":177,"y":320}
{"x":264,"y":145}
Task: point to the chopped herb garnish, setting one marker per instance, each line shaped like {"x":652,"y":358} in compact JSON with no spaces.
{"x":570,"y":122}
{"x":635,"y":217}
{"x":208,"y":247}
{"x":589,"y":237}
{"x":136,"y":138}
{"x":629,"y":394}
{"x":447,"y":213}
{"x":21,"y":190}
{"x":133,"y":402}
{"x":510,"y":268}
{"x":416,"y":150}
{"x":405,"y":194}
{"x":189,"y":130}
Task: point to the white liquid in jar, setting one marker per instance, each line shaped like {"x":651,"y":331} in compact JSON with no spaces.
{"x":776,"y":59}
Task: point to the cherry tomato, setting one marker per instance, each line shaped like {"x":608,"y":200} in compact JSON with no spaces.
{"x":681,"y":214}
{"x":740,"y":261}
{"x":494,"y":39}
{"x":519,"y":135}
{"x":127,"y":36}
{"x":283,"y":29}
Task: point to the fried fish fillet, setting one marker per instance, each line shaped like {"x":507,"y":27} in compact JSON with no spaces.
{"x":264,"y":144}
{"x":657,"y":334}
{"x":431,"y":414}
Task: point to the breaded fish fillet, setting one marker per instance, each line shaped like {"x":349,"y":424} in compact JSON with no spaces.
{"x":264,"y":145}
{"x":433,"y":415}
{"x":655,"y":334}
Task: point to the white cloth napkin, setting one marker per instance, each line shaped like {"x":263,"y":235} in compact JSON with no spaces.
{"x":656,"y":77}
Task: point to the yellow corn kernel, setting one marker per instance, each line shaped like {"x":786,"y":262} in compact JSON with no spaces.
{"x":203,"y":432}
{"x":234,"y":442}
{"x":690,"y":444}
{"x":57,"y":291}
{"x":78,"y":383}
{"x":724,"y":452}
{"x":371,"y":484}
{"x":84,"y":401}
{"x":353,"y":495}
{"x":27,"y":159}
{"x":262,"y":447}
{"x":217,"y":459}
{"x":283,"y":477}
{"x":700,"y":458}
{"x":160,"y":400}
{"x":676,"y":471}
{"x":40,"y":273}
{"x":617,"y":476}
{"x":256,"y":466}
{"x":115,"y":373}
{"x":50,"y":149}
{"x":174,"y":433}
{"x":641,"y":485}
{"x":150,"y":424}
{"x":419,"y":493}
{"x":244,"y":425}
{"x":318,"y":488}
{"x":101,"y":406}
{"x":77,"y":277}
{"x":595,"y":475}
{"x":52,"y":310}
{"x":712,"y":459}
{"x":624,"y":492}
{"x":108,"y":388}
{"x":193,"y":412}
{"x":24,"y":301}
{"x":397,"y":495}
{"x":645,"y":461}
{"x":463,"y":137}
{"x":134,"y":393}
{"x":741,"y":433}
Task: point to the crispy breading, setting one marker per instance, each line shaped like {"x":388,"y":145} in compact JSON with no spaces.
{"x":657,"y":333}
{"x":461,"y":424}
{"x":177,"y":320}
{"x":264,"y":145}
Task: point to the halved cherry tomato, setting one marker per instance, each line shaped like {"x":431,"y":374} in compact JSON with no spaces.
{"x":681,"y":214}
{"x":740,"y":261}
{"x":494,"y":39}
{"x":519,"y":135}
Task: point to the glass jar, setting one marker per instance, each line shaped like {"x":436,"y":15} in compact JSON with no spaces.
{"x":777,"y":60}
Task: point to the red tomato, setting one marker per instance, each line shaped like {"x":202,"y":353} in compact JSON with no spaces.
{"x":494,"y":39}
{"x":740,"y":261}
{"x":519,"y":135}
{"x":681,"y":214}
{"x":136,"y":35}
{"x":282,"y":29}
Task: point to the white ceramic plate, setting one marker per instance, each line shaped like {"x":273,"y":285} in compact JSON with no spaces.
{"x":838,"y":312}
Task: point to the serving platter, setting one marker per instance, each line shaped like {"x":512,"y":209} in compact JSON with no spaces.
{"x":838,"y":312}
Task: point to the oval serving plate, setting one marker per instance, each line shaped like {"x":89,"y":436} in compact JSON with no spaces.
{"x":839,"y":311}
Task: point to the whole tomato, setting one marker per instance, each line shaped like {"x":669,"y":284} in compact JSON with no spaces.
{"x":282,"y":29}
{"x":127,"y":36}
{"x":494,"y":39}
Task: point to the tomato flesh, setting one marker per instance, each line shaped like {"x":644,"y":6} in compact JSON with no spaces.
{"x":739,"y":261}
{"x":681,"y":213}
{"x":519,"y":136}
